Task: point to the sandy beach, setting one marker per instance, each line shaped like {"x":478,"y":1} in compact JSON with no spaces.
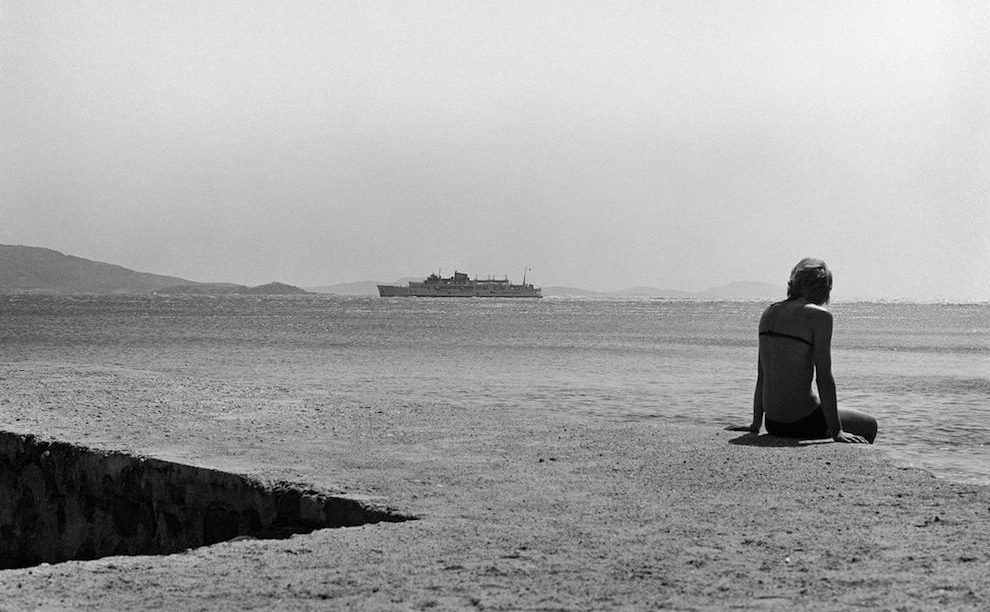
{"x":515,"y":511}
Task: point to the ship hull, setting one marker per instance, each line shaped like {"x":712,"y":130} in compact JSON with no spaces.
{"x":459,"y":285}
{"x":466,"y":292}
{"x":393,"y":291}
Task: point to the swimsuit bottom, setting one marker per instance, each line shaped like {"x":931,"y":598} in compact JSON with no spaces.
{"x":811,"y":427}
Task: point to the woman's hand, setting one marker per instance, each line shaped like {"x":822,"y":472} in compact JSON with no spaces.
{"x":844,"y":436}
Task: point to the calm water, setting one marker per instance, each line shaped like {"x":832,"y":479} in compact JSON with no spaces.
{"x":922,"y":370}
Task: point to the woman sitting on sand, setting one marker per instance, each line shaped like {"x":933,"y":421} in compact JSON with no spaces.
{"x":796,"y":347}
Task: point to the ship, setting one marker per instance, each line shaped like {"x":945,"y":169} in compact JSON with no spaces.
{"x":460,"y":285}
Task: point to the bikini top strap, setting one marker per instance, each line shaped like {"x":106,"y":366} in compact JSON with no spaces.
{"x":771,"y":320}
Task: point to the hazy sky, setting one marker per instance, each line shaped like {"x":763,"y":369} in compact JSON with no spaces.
{"x":603,"y":144}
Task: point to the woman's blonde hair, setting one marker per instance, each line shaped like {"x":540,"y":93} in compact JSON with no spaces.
{"x":812,"y":280}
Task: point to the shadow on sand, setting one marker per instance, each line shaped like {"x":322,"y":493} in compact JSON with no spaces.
{"x":769,"y":441}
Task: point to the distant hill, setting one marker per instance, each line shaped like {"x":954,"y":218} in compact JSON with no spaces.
{"x":570,"y":292}
{"x":25,"y":269}
{"x":744,"y":291}
{"x":276,"y":289}
{"x":358,"y":288}
{"x":202,"y":289}
{"x":231,"y":289}
{"x":651,"y":292}
{"x":630,"y":292}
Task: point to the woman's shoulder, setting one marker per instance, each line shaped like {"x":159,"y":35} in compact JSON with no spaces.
{"x":817,"y":309}
{"x":816,"y":314}
{"x":768,"y":313}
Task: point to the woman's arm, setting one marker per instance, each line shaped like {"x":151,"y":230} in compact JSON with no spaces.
{"x":758,"y":399}
{"x":822,"y":336}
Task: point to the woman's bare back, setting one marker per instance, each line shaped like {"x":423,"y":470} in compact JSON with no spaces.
{"x":787,"y":360}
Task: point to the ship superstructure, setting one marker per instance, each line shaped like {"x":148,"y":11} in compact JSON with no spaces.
{"x":460,"y":285}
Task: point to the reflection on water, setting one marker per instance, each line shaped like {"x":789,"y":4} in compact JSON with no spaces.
{"x":923,"y":370}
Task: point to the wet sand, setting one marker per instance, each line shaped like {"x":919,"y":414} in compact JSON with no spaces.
{"x":516,"y":511}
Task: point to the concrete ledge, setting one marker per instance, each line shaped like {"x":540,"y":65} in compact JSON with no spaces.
{"x":59,"y":501}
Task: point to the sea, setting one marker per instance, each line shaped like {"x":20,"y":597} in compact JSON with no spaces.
{"x":923,"y":370}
